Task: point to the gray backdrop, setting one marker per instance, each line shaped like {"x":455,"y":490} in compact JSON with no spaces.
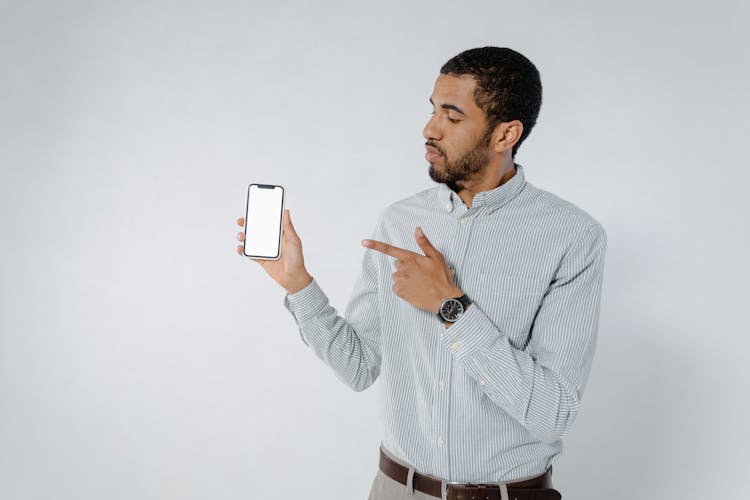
{"x":142,"y":358}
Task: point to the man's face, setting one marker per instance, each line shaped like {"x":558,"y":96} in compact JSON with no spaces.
{"x":457,"y":136}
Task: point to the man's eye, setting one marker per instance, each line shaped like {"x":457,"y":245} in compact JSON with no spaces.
{"x":453,"y":120}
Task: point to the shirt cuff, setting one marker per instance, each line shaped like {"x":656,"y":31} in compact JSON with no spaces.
{"x":469,"y":333}
{"x":306,"y":303}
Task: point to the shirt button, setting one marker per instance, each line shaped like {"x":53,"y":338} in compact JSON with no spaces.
{"x":454,"y":345}
{"x":463,"y":220}
{"x":482,"y":382}
{"x":440,"y":441}
{"x":441,"y":384}
{"x":448,"y":207}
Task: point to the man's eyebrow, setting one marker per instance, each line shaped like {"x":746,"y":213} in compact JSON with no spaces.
{"x":449,"y":106}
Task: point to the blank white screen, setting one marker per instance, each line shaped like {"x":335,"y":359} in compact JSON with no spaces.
{"x":263,"y":221}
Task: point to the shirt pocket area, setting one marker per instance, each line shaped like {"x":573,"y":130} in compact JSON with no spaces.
{"x":510,"y":302}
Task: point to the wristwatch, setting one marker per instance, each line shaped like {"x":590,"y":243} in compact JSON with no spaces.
{"x":452,"y":308}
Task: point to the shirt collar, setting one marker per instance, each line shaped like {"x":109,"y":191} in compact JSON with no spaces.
{"x":492,"y":199}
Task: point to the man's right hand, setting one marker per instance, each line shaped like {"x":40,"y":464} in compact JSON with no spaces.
{"x":289,"y":270}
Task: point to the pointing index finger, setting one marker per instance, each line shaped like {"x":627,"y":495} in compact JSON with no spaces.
{"x":387,"y":249}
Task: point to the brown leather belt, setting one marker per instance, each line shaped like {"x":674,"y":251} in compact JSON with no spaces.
{"x":536,"y":488}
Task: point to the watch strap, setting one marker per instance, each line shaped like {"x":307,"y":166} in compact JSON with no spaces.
{"x":465,"y":300}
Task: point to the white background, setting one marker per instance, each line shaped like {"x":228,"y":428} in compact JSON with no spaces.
{"x":142,"y":358}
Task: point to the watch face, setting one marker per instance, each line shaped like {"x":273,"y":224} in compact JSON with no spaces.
{"x":451,"y":310}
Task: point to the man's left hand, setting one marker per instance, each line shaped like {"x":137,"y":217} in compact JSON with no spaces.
{"x":424,"y":281}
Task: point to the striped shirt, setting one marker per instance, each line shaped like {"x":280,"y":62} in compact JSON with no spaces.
{"x":488,"y":399}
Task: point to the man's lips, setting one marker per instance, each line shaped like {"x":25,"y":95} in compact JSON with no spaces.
{"x":431,"y":154}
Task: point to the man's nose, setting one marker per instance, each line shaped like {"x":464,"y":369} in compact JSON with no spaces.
{"x":431,"y":130}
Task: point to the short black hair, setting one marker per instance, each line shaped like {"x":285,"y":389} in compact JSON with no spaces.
{"x":508,"y":85}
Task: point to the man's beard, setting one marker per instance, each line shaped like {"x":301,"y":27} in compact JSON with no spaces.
{"x":464,"y":167}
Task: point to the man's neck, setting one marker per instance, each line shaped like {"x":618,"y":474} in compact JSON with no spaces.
{"x":489,"y":181}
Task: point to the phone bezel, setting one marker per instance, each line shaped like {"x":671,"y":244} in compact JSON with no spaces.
{"x":281,"y":215}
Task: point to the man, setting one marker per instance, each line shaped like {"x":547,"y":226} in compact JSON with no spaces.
{"x":477,"y":303}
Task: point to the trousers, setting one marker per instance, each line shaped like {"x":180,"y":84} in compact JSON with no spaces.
{"x":385,"y":488}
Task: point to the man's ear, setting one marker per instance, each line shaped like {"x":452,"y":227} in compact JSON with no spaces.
{"x":506,"y":135}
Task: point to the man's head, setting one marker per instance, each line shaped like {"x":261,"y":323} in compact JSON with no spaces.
{"x":486,"y":102}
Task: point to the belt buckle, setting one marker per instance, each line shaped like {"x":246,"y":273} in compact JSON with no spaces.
{"x":470,"y":486}
{"x":473,"y":486}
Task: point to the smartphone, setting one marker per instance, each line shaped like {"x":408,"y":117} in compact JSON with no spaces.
{"x":265,"y":204}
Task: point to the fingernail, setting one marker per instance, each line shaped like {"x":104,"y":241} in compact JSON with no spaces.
{"x":419,"y":232}
{"x":366,"y":243}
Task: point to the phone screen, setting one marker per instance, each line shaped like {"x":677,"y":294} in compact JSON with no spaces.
{"x":265,"y":204}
